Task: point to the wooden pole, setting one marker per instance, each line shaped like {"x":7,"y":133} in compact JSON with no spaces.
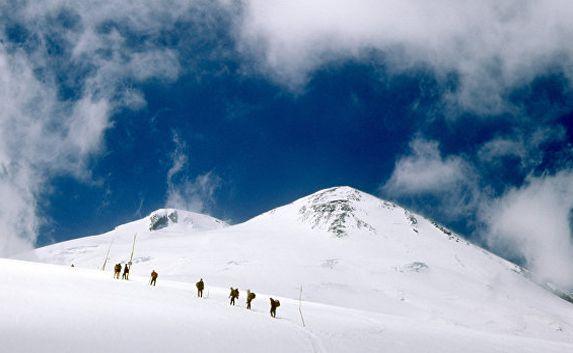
{"x":300,"y":307}
{"x":132,"y":251}
{"x":107,"y":255}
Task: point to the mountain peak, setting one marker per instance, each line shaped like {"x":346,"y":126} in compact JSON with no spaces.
{"x":336,"y":210}
{"x":340,"y":210}
{"x":166,"y":217}
{"x":339,"y":192}
{"x":172,"y":219}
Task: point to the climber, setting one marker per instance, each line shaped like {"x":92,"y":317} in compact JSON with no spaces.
{"x":153,"y":278}
{"x":116,"y":271}
{"x":200,"y":286}
{"x":274,"y":305}
{"x":125,"y":272}
{"x":250,"y":297}
{"x":233,"y":295}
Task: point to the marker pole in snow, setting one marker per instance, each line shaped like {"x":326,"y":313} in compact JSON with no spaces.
{"x":132,"y":250}
{"x":300,"y":307}
{"x":107,"y":255}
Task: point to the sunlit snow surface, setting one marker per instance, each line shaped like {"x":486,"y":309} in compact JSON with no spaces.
{"x":375,"y":278}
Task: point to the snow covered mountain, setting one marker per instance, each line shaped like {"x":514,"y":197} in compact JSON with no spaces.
{"x":163,"y":223}
{"x":367,"y":267}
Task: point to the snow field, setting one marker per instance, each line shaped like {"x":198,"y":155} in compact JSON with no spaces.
{"x":60,"y":309}
{"x":50,"y":308}
{"x":375,"y":278}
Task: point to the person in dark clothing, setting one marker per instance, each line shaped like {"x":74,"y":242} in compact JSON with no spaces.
{"x":250,"y":297}
{"x":200,"y":286}
{"x":125,"y":272}
{"x":116,"y":271}
{"x":234,"y":295}
{"x":153,"y":278}
{"x":274,"y":305}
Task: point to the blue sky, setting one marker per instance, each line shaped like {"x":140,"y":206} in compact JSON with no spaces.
{"x":463,"y":113}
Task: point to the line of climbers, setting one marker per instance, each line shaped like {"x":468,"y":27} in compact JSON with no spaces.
{"x":233,"y":295}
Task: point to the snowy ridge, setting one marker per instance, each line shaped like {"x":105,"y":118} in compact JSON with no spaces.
{"x":348,"y":250}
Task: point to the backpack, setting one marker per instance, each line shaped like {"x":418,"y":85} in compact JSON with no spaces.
{"x":277,"y":303}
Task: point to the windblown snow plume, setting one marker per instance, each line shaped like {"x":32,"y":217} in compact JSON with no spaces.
{"x":192,"y":195}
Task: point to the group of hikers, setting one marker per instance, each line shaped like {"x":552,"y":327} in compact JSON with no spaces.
{"x":117,"y":271}
{"x":233,"y":295}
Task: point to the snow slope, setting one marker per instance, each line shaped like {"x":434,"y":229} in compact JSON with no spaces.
{"x":48,"y":308}
{"x":369,"y":270}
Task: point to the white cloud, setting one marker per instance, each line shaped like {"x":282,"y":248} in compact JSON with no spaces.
{"x":28,"y":147}
{"x":534,"y":221}
{"x":178,"y":158}
{"x":496,"y":148}
{"x":424,"y":170}
{"x":83,"y":44}
{"x":523,"y":145}
{"x":492,"y":45}
{"x":195,"y":195}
